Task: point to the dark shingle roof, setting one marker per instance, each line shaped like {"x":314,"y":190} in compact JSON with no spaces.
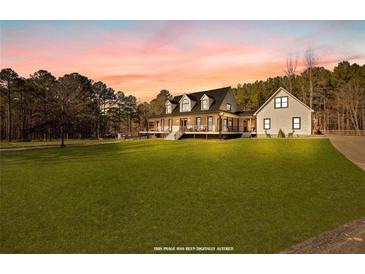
{"x":217,"y":95}
{"x":245,"y":112}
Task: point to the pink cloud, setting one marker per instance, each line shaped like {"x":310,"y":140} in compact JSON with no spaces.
{"x":179,"y":56}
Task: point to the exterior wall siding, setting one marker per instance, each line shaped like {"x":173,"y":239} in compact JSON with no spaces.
{"x":281,"y":118}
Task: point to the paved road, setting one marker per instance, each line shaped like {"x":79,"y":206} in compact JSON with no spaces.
{"x":353,"y":147}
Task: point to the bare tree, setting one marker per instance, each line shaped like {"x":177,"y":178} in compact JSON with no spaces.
{"x":354,"y":99}
{"x":291,"y":66}
{"x":310,"y":62}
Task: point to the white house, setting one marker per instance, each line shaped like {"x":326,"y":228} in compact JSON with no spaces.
{"x":286,"y":112}
{"x":215,"y":113}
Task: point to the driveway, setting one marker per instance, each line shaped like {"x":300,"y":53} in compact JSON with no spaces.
{"x":346,"y":239}
{"x":353,"y":147}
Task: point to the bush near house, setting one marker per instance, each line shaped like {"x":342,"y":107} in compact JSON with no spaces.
{"x":281,"y":134}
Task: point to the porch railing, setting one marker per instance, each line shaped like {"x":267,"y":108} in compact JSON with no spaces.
{"x":198,"y":128}
{"x":215,"y":128}
{"x":205,"y":128}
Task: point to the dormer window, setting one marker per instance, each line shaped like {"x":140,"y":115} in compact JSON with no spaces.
{"x":185,"y":105}
{"x":205,"y":104}
{"x":229,"y":107}
{"x":170,"y":106}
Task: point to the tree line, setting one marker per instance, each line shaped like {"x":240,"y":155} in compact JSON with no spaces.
{"x":43,"y":107}
{"x":72,"y":106}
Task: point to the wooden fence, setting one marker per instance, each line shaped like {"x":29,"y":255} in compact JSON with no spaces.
{"x":345,"y":132}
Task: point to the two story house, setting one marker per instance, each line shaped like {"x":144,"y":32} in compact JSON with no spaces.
{"x":283,"y":111}
{"x":214,"y":113}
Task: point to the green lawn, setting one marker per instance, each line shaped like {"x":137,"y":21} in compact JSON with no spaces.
{"x":258,"y":196}
{"x":18,"y":144}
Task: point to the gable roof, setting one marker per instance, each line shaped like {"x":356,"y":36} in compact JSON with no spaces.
{"x":217,"y":95}
{"x":185,"y":95}
{"x":275,"y":93}
{"x":170,"y":101}
{"x":205,"y":96}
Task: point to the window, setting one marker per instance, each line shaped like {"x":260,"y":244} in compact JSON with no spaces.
{"x":170,"y":125}
{"x":210,"y":123}
{"x":228,"y":106}
{"x":185,"y":105}
{"x":296,"y":122}
{"x":225,"y":125}
{"x":281,"y":102}
{"x":205,"y":104}
{"x":168,"y":109}
{"x":267,"y":123}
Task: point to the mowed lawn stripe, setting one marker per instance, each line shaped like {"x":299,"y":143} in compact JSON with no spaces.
{"x":258,"y":196}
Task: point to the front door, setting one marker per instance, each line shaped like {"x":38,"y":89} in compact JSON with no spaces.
{"x":230,"y":125}
{"x":183,"y":123}
{"x":245,"y":126}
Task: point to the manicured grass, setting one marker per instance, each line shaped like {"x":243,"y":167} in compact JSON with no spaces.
{"x":18,"y":144}
{"x":258,"y":196}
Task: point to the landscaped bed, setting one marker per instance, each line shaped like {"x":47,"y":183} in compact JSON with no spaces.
{"x":257,"y":196}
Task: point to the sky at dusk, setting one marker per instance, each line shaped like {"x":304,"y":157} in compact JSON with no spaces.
{"x":143,"y":57}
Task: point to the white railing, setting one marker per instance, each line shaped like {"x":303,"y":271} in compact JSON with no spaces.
{"x":178,"y":135}
{"x":198,"y":128}
{"x":212,"y":128}
{"x":202,"y":128}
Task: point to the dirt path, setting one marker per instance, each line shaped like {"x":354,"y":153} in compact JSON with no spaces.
{"x":349,"y":238}
{"x":353,"y":147}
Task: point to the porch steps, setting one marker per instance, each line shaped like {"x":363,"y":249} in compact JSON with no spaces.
{"x":174,"y":135}
{"x":246,"y":135}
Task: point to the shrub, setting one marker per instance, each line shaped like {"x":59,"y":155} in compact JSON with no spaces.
{"x":281,"y":134}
